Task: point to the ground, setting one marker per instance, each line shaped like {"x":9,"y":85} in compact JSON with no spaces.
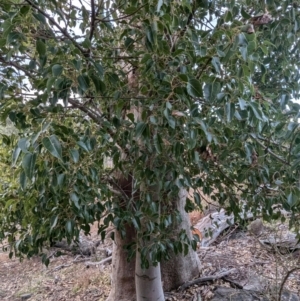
{"x":74,"y":277}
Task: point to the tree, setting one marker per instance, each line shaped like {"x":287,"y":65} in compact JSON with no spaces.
{"x":177,"y":95}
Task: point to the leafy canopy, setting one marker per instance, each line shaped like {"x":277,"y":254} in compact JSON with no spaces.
{"x":166,"y":94}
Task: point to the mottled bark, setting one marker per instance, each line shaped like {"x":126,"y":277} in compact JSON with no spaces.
{"x":122,"y":278}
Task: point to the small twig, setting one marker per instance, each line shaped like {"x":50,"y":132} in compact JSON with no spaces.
{"x":51,"y":254}
{"x":81,"y":260}
{"x":18,"y":67}
{"x":59,"y":267}
{"x":63,"y":31}
{"x":122,"y":17}
{"x":205,"y":279}
{"x":93,"y":19}
{"x":284,"y":281}
{"x":108,"y":259}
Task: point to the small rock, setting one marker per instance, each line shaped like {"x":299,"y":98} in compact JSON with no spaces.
{"x":256,"y":227}
{"x":230,"y":294}
{"x":25,"y":296}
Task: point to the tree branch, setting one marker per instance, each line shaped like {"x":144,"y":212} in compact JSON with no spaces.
{"x":105,"y":260}
{"x":84,"y":109}
{"x":93,"y":19}
{"x":63,"y":31}
{"x":189,"y":20}
{"x":123,"y":17}
{"x":17,"y":66}
{"x":206,"y":279}
{"x":272,"y":153}
{"x":284,"y":280}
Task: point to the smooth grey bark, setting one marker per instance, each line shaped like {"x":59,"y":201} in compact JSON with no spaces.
{"x":148,"y":282}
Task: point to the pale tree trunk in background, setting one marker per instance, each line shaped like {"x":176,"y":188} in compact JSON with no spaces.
{"x":173,"y":272}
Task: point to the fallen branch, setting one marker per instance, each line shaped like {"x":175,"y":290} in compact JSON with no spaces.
{"x":59,"y":267}
{"x":284,"y":281}
{"x":108,"y":259}
{"x":213,"y":225}
{"x":205,"y":279}
{"x":81,"y":260}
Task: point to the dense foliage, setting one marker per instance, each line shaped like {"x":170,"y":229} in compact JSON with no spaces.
{"x":169,"y":94}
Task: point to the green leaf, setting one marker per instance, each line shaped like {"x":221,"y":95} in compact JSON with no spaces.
{"x":292,"y":126}
{"x":77,"y":64}
{"x":57,"y":70}
{"x":53,"y":222}
{"x":28,"y":164}
{"x":194,"y":88}
{"x":40,"y":47}
{"x":204,"y":128}
{"x":245,"y":14}
{"x":230,"y":109}
{"x":197,"y":199}
{"x":70,"y":227}
{"x":83,"y":81}
{"x":178,"y":149}
{"x":211,"y":90}
{"x":23,"y":180}
{"x":136,"y":223}
{"x":15,"y":156}
{"x":251,"y":47}
{"x":216,"y":63}
{"x":82,"y":145}
{"x":23,"y":144}
{"x":292,"y":200}
{"x":99,"y":84}
{"x":256,"y":110}
{"x":53,"y":145}
{"x":40,"y":18}
{"x":139,"y":129}
{"x":243,"y":104}
{"x":130,"y":10}
{"x":49,"y":84}
{"x":99,"y":69}
{"x":75,"y":199}
{"x":74,"y":155}
{"x":158,"y":143}
{"x":60,"y":179}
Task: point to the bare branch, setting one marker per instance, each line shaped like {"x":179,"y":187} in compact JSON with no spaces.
{"x":123,"y":17}
{"x":206,"y":279}
{"x":108,"y":259}
{"x":93,"y":20}
{"x":17,"y":66}
{"x":284,"y":280}
{"x":84,"y":109}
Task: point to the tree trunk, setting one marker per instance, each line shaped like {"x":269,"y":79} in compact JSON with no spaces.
{"x":122,"y":274}
{"x":148,"y":282}
{"x":179,"y":268}
{"x":173,"y":272}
